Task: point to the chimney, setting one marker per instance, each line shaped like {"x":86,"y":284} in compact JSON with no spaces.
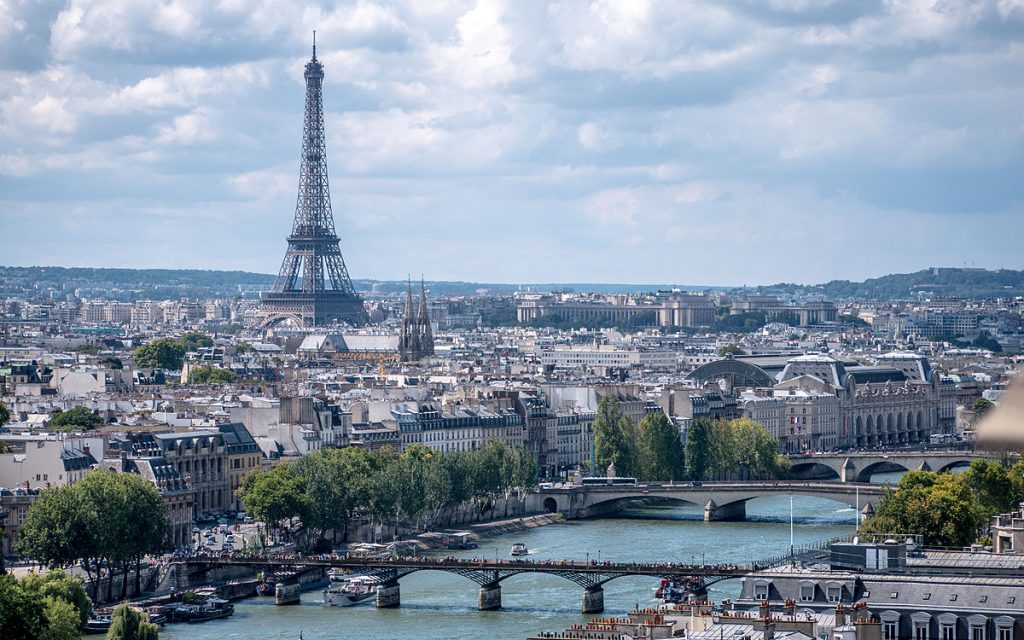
{"x":769,"y":631}
{"x":789,"y":609}
{"x":765,"y":610}
{"x":840,"y":615}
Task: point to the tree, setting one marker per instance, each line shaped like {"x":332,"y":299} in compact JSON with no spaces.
{"x":127,"y":623}
{"x":75,"y":418}
{"x":193,"y":340}
{"x":60,"y":620}
{"x":273,"y":496}
{"x":661,"y":448}
{"x":939,"y":507}
{"x":162,"y":353}
{"x":980,"y":407}
{"x":614,"y":439}
{"x":112,"y":361}
{"x":244,"y":347}
{"x":698,"y":448}
{"x":52,"y":607}
{"x":106,"y":519}
{"x":992,"y":486}
{"x":731,"y":349}
{"x":755,"y":450}
{"x":59,"y":585}
{"x":5,"y":414}
{"x":205,"y":374}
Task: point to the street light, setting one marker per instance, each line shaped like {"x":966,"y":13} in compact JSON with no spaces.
{"x":598,"y":556}
{"x":588,"y":558}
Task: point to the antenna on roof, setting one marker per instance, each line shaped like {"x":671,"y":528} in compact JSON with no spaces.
{"x":314,"y":44}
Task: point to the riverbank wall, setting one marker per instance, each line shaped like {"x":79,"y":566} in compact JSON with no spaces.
{"x":436,"y":539}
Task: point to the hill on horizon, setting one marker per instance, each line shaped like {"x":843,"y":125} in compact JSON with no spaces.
{"x":174,"y":283}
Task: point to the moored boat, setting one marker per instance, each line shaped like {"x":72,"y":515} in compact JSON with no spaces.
{"x":210,"y":609}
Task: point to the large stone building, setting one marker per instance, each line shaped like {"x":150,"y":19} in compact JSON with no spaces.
{"x":894,"y":402}
{"x":200,"y":459}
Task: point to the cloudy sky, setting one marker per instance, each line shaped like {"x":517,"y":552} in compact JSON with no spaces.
{"x":717,"y":142}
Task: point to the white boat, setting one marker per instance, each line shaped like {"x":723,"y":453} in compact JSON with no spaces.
{"x":520,"y":549}
{"x":350,"y":590}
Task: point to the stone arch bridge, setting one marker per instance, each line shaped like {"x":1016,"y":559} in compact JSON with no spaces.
{"x":859,"y":466}
{"x":721,"y":500}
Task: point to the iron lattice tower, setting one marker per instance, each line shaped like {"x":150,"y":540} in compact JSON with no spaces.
{"x":313,"y":287}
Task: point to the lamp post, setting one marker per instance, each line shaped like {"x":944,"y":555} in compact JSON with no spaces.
{"x":598,"y":556}
{"x":588,"y":558}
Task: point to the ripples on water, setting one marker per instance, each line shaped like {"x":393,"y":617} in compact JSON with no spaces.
{"x":437,"y":605}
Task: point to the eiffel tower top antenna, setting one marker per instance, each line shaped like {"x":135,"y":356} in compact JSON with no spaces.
{"x":314,"y":44}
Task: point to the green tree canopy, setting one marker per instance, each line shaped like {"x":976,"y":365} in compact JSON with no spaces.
{"x":192,"y":340}
{"x":731,"y":349}
{"x":698,"y":449}
{"x":980,"y":407}
{"x":5,"y":414}
{"x":661,"y":448}
{"x":128,"y":623}
{"x":273,"y":496}
{"x":992,"y":485}
{"x":111,"y":361}
{"x":615,"y":439}
{"x":205,"y":374}
{"x":51,"y":607}
{"x":74,"y":418}
{"x":104,"y":519}
{"x":162,"y":353}
{"x":940,"y":507}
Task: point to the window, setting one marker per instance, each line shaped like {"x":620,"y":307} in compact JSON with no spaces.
{"x":983,"y":599}
{"x":890,"y":627}
{"x":977,"y":632}
{"x":806,"y":592}
{"x":1011,"y":600}
{"x":894,"y":595}
{"x":1004,"y":633}
{"x":927,"y":596}
{"x":761,"y":591}
{"x":947,"y":631}
{"x":920,"y":631}
{"x":834,"y":593}
{"x":952,"y":598}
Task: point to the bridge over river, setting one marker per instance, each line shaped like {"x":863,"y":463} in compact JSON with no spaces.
{"x":859,"y":466}
{"x":489,"y":574}
{"x":721,"y":500}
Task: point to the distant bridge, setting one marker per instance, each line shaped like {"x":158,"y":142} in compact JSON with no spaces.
{"x":859,"y":466}
{"x":721,"y":500}
{"x":489,"y":574}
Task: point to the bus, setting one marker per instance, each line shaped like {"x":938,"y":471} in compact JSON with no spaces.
{"x":602,"y":481}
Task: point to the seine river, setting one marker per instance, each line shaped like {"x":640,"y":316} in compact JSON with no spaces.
{"x":438,"y":605}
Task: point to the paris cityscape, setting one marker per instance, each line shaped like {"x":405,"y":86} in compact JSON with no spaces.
{"x":608,"y":320}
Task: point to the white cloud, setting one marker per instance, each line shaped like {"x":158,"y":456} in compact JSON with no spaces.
{"x":661,"y":126}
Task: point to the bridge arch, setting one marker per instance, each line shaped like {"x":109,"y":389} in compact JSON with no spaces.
{"x":815,"y":470}
{"x":550,"y":505}
{"x":882,"y":466}
{"x":954,"y":464}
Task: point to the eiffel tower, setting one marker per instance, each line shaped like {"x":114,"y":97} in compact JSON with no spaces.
{"x":313,"y":288}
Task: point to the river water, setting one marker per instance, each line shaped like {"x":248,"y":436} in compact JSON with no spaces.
{"x":437,"y":605}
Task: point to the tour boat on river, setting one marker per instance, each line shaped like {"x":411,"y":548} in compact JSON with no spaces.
{"x":349,"y":590}
{"x":520,"y":549}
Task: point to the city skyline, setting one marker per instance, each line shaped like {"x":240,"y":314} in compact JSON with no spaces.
{"x":716,"y":144}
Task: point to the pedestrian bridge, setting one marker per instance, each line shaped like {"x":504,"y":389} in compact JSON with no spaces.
{"x":591,"y":575}
{"x":720,"y":500}
{"x":859,"y":466}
